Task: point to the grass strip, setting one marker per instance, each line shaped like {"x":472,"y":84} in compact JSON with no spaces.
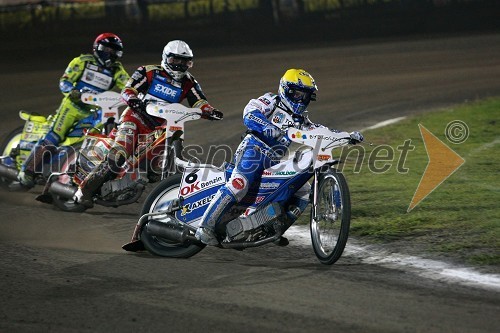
{"x":460,"y":218}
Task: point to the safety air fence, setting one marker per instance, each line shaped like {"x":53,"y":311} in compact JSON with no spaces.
{"x":288,"y":17}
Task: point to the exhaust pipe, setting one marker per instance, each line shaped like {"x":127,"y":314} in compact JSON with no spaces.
{"x":10,"y":173}
{"x":62,"y":190}
{"x":244,"y":244}
{"x":169,"y":231}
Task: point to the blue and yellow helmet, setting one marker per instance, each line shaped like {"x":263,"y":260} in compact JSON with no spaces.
{"x":297,"y":88}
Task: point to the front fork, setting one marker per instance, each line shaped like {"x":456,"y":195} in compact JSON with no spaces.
{"x":314,"y":195}
{"x":172,"y":149}
{"x":315,"y":187}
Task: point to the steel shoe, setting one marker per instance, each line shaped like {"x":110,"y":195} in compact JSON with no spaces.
{"x":26,"y":179}
{"x":206,"y":236}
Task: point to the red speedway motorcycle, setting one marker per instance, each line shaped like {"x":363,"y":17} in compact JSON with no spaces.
{"x":152,"y":161}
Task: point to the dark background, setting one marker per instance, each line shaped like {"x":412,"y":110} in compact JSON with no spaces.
{"x":56,"y":29}
{"x":67,"y":272}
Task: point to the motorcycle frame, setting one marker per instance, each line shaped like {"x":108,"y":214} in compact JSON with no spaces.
{"x":166,"y":137}
{"x":172,"y":131}
{"x":319,"y":140}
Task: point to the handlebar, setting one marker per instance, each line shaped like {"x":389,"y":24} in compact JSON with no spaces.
{"x":214,"y":117}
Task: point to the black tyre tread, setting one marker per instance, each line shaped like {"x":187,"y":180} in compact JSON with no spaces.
{"x":345,"y":223}
{"x":3,"y":145}
{"x":10,"y":136}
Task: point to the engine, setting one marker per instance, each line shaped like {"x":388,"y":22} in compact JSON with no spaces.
{"x":254,"y":226}
{"x":123,"y":188}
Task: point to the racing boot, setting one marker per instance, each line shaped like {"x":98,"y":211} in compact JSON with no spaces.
{"x":25,"y":181}
{"x":93,"y":182}
{"x":282,"y":241}
{"x":26,"y":177}
{"x":221,"y":203}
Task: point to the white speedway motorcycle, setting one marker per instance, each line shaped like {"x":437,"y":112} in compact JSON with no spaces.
{"x":173,"y":210}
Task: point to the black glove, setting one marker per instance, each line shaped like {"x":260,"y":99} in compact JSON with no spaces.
{"x":137,"y":104}
{"x":211,"y":114}
{"x":216,"y":115}
{"x":75,"y":95}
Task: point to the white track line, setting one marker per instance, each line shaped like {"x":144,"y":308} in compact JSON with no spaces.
{"x":433,"y":269}
{"x":383,"y":123}
{"x":428,"y":268}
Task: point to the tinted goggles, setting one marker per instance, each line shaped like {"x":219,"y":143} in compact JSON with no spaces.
{"x":301,"y":96}
{"x":110,"y":50}
{"x":180,"y":63}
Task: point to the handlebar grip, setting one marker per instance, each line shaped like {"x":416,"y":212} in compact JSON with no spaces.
{"x":215,"y":117}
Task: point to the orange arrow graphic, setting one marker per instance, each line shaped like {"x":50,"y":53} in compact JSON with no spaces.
{"x":443,"y":162}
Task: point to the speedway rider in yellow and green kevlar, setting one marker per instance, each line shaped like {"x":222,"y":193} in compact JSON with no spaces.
{"x":92,"y":73}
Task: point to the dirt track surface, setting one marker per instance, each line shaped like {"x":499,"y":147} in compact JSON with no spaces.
{"x":66,"y":272}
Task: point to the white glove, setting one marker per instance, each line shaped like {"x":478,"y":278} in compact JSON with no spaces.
{"x":271,"y":132}
{"x":77,"y":197}
{"x":356,"y":137}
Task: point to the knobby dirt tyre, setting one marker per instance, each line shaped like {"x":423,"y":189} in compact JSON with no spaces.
{"x":11,"y":141}
{"x":330,"y":227}
{"x":166,"y":190}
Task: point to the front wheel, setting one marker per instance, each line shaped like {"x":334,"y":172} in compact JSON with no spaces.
{"x":166,"y":190}
{"x":8,"y":144}
{"x":330,"y":226}
{"x":11,"y":141}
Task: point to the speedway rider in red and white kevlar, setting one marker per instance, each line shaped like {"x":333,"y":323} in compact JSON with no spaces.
{"x":264,"y":145}
{"x":170,"y":82}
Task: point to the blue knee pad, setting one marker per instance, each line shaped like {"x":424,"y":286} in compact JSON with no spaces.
{"x":52,"y":138}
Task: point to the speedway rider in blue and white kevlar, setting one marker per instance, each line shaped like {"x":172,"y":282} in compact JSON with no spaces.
{"x":264,"y":145}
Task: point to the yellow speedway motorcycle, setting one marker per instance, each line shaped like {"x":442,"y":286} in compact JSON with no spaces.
{"x":151,"y":162}
{"x":17,"y":146}
{"x":173,"y":210}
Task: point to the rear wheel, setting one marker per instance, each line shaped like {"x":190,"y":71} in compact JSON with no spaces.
{"x":330,"y":226}
{"x":166,"y":190}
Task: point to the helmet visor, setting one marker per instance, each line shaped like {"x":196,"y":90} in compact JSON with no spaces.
{"x":298,"y":95}
{"x":179,"y":63}
{"x":111,"y":51}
